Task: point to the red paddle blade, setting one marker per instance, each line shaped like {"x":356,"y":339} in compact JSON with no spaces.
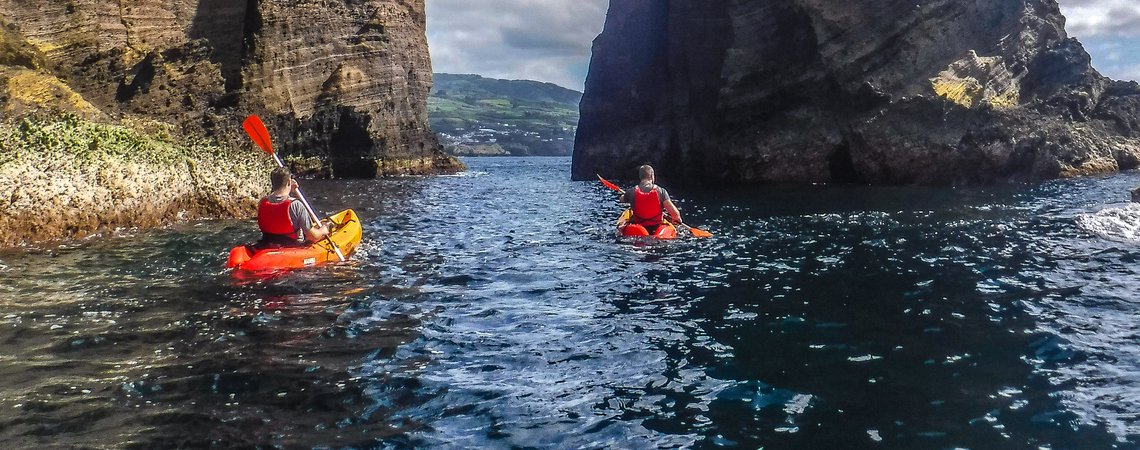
{"x":608,"y":184}
{"x":256,"y":130}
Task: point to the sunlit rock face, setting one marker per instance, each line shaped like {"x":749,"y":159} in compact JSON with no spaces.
{"x":341,"y":83}
{"x":866,"y":91}
{"x":117,"y":114}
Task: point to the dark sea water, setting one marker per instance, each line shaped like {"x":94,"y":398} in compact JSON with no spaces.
{"x":496,"y":309}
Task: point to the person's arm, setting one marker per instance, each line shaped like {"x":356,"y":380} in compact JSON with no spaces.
{"x":670,"y":208}
{"x":673,"y":211}
{"x":317,"y":233}
{"x":313,"y":231}
{"x":627,"y":197}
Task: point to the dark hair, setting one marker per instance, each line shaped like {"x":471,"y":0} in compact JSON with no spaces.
{"x":645,"y":171}
{"x":279,"y":178}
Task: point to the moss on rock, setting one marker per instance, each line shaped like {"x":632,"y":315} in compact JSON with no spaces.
{"x":418,"y":166}
{"x":15,"y":50}
{"x":69,"y":177}
{"x":30,"y":90}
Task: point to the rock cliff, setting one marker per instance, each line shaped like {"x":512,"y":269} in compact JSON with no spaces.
{"x":866,"y":91}
{"x":345,"y":82}
{"x":343,"y":86}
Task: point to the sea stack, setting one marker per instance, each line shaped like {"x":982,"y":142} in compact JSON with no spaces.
{"x":850,"y":91}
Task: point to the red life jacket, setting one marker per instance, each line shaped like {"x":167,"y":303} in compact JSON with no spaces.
{"x":274,"y":219}
{"x":647,"y":208}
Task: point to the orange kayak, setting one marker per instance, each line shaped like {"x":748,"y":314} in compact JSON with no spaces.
{"x":345,"y":231}
{"x":665,"y":232}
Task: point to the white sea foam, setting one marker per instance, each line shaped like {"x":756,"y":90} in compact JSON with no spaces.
{"x":1117,"y":223}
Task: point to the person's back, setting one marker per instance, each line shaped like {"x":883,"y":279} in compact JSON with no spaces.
{"x":647,"y":204}
{"x":283,"y":220}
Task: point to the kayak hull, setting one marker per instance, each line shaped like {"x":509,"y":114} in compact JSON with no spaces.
{"x":625,"y":229}
{"x":346,"y":233}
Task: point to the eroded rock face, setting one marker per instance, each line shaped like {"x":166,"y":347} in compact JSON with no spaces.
{"x":136,"y":105}
{"x":875,"y":91}
{"x":345,"y":82}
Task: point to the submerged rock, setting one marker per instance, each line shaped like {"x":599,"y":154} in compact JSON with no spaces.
{"x":865,"y":91}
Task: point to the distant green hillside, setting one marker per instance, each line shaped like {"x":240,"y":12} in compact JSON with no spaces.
{"x":474,"y":115}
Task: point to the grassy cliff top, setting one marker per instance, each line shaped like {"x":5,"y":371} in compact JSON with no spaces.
{"x":455,"y":86}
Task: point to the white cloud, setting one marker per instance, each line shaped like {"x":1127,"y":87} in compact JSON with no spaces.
{"x":545,"y":40}
{"x":1102,"y":17}
{"x":1130,"y":73}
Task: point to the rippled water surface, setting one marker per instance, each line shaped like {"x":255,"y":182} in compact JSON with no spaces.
{"x":496,"y":309}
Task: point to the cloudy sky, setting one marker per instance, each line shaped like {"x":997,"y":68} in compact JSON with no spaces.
{"x":549,"y":40}
{"x":1110,"y":30}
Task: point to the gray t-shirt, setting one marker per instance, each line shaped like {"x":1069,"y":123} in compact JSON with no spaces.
{"x":661,"y":193}
{"x":298,"y":215}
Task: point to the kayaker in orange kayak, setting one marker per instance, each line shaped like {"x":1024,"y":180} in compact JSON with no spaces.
{"x":282,"y":218}
{"x":649,"y":202}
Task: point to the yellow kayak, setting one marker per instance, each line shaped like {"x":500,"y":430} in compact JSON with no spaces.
{"x":345,"y":230}
{"x":666,"y":231}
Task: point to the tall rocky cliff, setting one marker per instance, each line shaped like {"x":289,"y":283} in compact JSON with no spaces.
{"x":127,"y":113}
{"x":342,"y":85}
{"x":866,"y":91}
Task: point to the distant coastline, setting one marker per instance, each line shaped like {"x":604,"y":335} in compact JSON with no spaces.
{"x":478,"y":116}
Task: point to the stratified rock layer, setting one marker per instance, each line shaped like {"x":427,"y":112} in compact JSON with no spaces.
{"x":870,"y":91}
{"x":345,"y":82}
{"x":343,"y":87}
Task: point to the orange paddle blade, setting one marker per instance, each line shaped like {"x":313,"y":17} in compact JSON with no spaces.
{"x":697,"y":232}
{"x":608,"y":184}
{"x":256,"y":130}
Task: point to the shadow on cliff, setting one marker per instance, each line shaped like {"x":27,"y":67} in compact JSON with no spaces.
{"x":230,"y":27}
{"x":865,"y":92}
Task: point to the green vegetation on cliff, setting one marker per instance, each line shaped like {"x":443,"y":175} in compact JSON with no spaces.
{"x":474,"y":115}
{"x":91,"y":141}
{"x":68,"y":177}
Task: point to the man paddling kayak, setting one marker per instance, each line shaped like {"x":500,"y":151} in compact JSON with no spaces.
{"x":282,"y":218}
{"x":649,"y":202}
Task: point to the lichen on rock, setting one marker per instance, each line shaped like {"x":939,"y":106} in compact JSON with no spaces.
{"x":31,"y":90}
{"x":68,"y":178}
{"x":975,"y":80}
